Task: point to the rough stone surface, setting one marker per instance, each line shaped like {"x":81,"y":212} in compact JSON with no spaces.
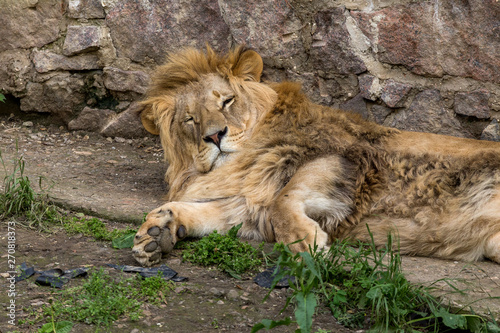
{"x":438,"y":37}
{"x":330,"y":52}
{"x":127,"y":124}
{"x":27,"y":23}
{"x":232,"y":294}
{"x":394,"y":93}
{"x":81,"y":39}
{"x":492,"y":132}
{"x":379,"y":113}
{"x":85,"y":9}
{"x":15,"y":67}
{"x":46,"y":61}
{"x":63,"y":90}
{"x":270,"y":27}
{"x":92,"y":120}
{"x":427,"y":114}
{"x":320,"y":90}
{"x":356,"y":105}
{"x":144,"y":30}
{"x":473,"y":104}
{"x":369,"y":87}
{"x":119,"y":80}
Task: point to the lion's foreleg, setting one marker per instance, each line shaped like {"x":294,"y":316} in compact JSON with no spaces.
{"x":168,"y":224}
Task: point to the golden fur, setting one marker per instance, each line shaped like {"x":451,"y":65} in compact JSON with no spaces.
{"x":301,"y":171}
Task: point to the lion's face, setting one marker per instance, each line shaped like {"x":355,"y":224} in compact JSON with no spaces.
{"x":204,"y":108}
{"x":210,"y":119}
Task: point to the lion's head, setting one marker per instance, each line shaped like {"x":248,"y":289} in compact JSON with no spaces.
{"x":204,"y":107}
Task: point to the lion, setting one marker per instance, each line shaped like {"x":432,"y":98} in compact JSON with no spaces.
{"x":265,"y":156}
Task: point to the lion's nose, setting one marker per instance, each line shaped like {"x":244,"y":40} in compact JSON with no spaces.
{"x":216,"y":137}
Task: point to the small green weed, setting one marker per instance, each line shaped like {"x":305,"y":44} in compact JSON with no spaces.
{"x":101,"y":300}
{"x":227,"y":252}
{"x":124,"y":239}
{"x":2,"y":98}
{"x":152,"y":287}
{"x":20,"y":199}
{"x":363,"y":285}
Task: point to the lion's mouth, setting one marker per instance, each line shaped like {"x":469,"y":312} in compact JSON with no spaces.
{"x":220,"y":159}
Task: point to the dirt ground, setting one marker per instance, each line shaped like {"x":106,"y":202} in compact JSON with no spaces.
{"x":119,"y":180}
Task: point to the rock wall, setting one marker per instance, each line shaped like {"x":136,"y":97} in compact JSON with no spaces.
{"x":417,"y":65}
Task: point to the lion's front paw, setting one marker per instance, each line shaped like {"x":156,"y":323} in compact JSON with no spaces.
{"x":157,"y":235}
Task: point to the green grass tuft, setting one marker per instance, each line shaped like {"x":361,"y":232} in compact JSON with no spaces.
{"x":227,"y":252}
{"x":93,"y":227}
{"x":101,"y":300}
{"x":19,"y":199}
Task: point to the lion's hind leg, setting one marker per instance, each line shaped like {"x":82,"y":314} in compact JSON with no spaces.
{"x":312,"y":204}
{"x":492,"y":212}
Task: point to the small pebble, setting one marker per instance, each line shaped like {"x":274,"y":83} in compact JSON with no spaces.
{"x":232,"y":294}
{"x":216,"y":292}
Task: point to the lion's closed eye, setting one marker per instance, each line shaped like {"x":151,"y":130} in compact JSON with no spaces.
{"x":227,"y":102}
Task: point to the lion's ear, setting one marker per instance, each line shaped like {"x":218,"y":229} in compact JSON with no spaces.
{"x":148,"y":121}
{"x":248,"y":66}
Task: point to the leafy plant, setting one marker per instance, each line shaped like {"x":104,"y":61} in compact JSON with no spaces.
{"x":361,"y":285}
{"x":55,"y":327}
{"x":2,"y":98}
{"x":152,"y":287}
{"x":59,"y":327}
{"x":227,"y":252}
